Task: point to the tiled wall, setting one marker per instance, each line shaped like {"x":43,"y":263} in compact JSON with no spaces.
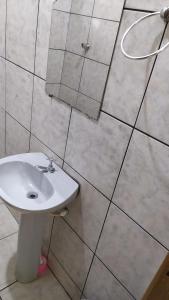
{"x":117,"y":232}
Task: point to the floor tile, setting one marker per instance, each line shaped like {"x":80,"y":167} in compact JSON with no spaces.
{"x":8,"y":248}
{"x":8,"y":224}
{"x":46,"y":287}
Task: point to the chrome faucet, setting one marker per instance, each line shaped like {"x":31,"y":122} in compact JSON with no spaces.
{"x":50,"y":168}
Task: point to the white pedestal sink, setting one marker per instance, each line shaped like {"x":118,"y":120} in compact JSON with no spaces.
{"x":34,"y":193}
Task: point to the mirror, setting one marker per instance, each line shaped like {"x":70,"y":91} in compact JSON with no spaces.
{"x":79,"y":55}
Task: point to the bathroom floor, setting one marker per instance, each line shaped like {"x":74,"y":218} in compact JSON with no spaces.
{"x":46,"y":287}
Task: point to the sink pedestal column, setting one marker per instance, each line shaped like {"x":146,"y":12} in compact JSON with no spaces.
{"x":29,"y":246}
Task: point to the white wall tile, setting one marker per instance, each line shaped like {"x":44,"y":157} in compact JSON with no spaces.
{"x":88,"y":211}
{"x":2,"y":83}
{"x":82,"y":7}
{"x":128,"y":79}
{"x":155,"y":5}
{"x":37,"y":146}
{"x":101,"y":40}
{"x":55,"y":65}
{"x":50,"y":119}
{"x":8,"y":224}
{"x":8,"y":249}
{"x":142,"y":190}
{"x":93,"y":79}
{"x":153,"y":118}
{"x":108,"y":9}
{"x":19,"y":88}
{"x":2,"y":132}
{"x":2,"y":27}
{"x":72,"y":69}
{"x":71,"y":252}
{"x":59,"y":28}
{"x":63,"y":5}
{"x":130,"y":253}
{"x":21,"y":32}
{"x":78,"y":33}
{"x":67,"y":94}
{"x":17,"y":137}
{"x":88,"y":106}
{"x":96,"y":149}
{"x":101,"y":284}
{"x":63,"y":277}
{"x":43,"y":32}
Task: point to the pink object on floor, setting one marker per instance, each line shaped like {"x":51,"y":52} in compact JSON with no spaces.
{"x":43,"y":265}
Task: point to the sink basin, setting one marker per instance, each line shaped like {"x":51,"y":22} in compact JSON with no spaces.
{"x":25,"y":187}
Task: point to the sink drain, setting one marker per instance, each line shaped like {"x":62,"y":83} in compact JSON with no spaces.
{"x":32,"y":195}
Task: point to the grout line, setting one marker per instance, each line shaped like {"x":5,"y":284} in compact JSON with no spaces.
{"x":76,"y":171}
{"x":17,"y":121}
{"x":67,"y":137}
{"x":101,"y":108}
{"x":113,"y":53}
{"x":116,"y":278}
{"x":87,"y":181}
{"x":139,"y":225}
{"x":116,"y":118}
{"x":9,"y":235}
{"x":46,"y":146}
{"x":50,"y":238}
{"x":80,"y":55}
{"x":64,"y":270}
{"x":139,"y":10}
{"x":123,"y":157}
{"x":33,"y":83}
{"x":152,"y":137}
{"x":36,"y":35}
{"x":80,"y":238}
{"x":60,"y":283}
{"x":87,"y":16}
{"x":84,"y":57}
{"x":64,"y":56}
{"x":5,"y":74}
{"x":1,"y":290}
{"x":65,"y":85}
{"x":19,"y":66}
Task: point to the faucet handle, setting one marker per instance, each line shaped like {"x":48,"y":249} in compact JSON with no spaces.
{"x":51,"y":168}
